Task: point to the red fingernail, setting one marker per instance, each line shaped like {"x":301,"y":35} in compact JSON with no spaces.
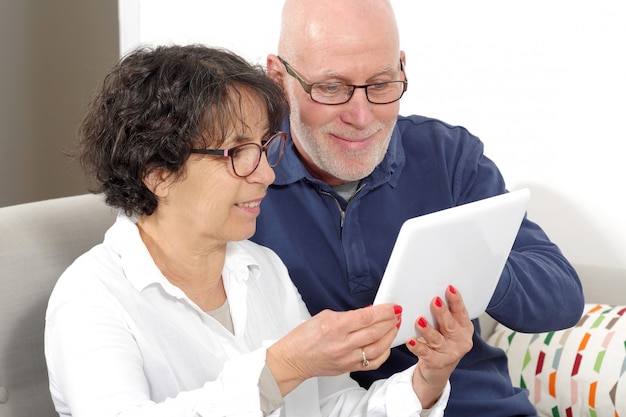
{"x":369,"y":305}
{"x":422,"y":322}
{"x":399,"y":323}
{"x":411,"y":342}
{"x":452,"y":289}
{"x":438,"y":302}
{"x":397,"y":309}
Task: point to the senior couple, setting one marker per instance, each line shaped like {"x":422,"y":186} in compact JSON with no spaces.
{"x":257,"y":214}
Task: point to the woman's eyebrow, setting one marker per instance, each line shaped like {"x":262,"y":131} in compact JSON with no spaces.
{"x":239,"y":139}
{"x":242,"y":139}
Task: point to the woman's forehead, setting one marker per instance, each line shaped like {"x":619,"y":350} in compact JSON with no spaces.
{"x":245,"y":118}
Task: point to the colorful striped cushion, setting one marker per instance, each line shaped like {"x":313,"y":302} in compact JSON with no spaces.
{"x":579,"y":371}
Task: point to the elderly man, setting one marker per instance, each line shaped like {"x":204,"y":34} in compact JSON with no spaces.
{"x":354,"y":171}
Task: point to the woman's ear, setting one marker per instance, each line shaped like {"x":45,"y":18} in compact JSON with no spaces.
{"x":158,"y":181}
{"x":275,"y":70}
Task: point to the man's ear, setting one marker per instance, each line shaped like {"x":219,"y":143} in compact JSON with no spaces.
{"x":275,"y":70}
{"x":158,"y":180}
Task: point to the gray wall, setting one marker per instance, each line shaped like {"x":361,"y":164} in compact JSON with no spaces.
{"x":53,"y":55}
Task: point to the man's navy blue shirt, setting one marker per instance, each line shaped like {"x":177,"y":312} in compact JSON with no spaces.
{"x":336,"y":250}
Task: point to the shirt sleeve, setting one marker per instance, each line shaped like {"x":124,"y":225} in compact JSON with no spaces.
{"x":236,"y":391}
{"x":271,"y":398}
{"x":391,"y":397}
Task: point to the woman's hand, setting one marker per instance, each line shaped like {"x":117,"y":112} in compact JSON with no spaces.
{"x":333,"y":343}
{"x":440,"y":350}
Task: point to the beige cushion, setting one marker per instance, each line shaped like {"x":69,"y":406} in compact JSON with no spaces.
{"x":37,"y":242}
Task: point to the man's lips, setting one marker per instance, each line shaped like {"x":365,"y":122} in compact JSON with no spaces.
{"x":353,"y":144}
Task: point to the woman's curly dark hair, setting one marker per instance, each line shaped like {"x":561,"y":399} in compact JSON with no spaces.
{"x":155,"y":105}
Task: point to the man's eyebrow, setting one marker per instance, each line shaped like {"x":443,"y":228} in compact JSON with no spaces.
{"x":337,"y":74}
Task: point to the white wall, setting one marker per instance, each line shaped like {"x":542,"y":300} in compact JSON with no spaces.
{"x":543,"y":84}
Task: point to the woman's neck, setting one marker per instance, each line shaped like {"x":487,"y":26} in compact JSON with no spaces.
{"x":197,"y":272}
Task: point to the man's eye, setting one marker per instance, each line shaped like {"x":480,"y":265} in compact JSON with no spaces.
{"x":379,"y":86}
{"x":330,"y":88}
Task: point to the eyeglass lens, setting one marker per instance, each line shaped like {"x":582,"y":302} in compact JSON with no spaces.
{"x":274,"y":149}
{"x":246,"y":158}
{"x":381,"y":93}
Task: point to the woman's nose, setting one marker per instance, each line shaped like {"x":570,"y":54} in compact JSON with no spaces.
{"x":264,"y":173}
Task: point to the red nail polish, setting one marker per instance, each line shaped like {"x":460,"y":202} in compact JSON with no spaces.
{"x":397,"y":309}
{"x":411,"y":342}
{"x":422,"y":322}
{"x":438,"y":302}
{"x":452,"y":289}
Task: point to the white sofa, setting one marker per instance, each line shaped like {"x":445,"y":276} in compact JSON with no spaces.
{"x":39,"y":240}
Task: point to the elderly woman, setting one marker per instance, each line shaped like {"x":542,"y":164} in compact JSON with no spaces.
{"x":176,"y":313}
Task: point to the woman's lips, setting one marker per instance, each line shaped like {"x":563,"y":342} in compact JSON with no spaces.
{"x":252,"y":206}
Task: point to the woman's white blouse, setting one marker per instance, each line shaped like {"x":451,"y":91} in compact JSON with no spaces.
{"x":121,"y":340}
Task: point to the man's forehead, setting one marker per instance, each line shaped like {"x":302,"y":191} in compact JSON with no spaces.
{"x":332,"y":64}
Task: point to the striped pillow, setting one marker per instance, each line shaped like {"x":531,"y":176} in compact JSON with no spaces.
{"x":579,"y":371}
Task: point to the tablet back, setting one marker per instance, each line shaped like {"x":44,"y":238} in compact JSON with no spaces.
{"x":466,"y":246}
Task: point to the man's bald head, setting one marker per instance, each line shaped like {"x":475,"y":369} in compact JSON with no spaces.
{"x":319,"y":24}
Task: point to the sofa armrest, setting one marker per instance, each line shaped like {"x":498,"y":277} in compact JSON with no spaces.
{"x":37,"y":242}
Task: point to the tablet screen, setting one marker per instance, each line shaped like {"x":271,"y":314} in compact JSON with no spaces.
{"x":465,"y":246}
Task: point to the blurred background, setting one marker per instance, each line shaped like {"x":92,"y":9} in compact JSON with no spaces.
{"x":53,"y":54}
{"x":543,"y":84}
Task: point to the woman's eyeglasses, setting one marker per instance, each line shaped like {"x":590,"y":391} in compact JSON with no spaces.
{"x":245,"y":158}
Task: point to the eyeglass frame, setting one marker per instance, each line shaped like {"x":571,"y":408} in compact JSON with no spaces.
{"x":228,"y":153}
{"x":308,"y":87}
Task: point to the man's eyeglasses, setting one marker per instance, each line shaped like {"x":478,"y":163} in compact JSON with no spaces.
{"x":384,"y":92}
{"x":246,"y":158}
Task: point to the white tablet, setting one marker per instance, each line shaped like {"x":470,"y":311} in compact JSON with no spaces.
{"x":466,"y":246}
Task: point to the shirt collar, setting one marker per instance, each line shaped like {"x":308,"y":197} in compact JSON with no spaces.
{"x":240,"y":263}
{"x":291,"y":170}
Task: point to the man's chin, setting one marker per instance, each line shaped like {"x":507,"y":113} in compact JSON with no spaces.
{"x":350,"y":175}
